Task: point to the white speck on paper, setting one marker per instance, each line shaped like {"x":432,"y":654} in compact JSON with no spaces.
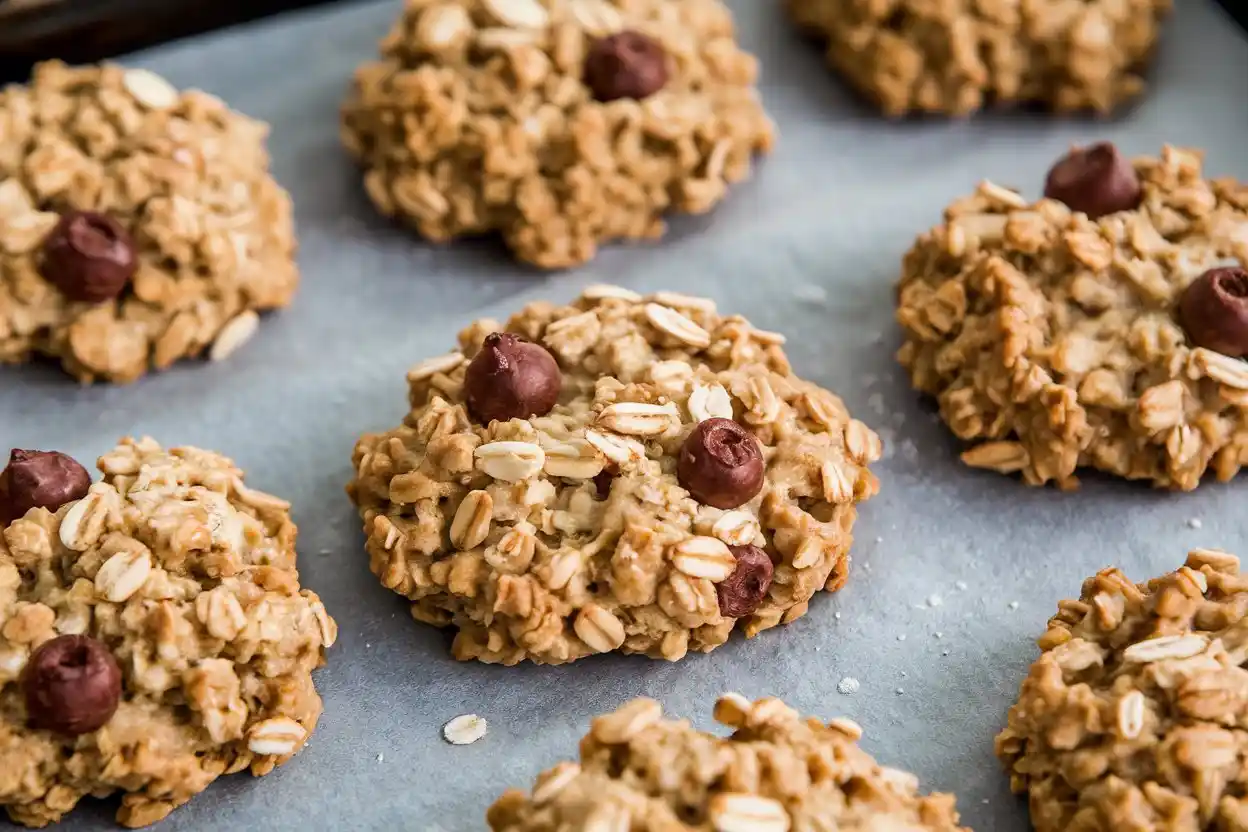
{"x":900,"y":691}
{"x":934,"y":600}
{"x":938,"y":634}
{"x":1013,"y":605}
{"x":381,"y":758}
{"x":944,"y":652}
{"x":901,"y":637}
{"x":1195,"y":523}
{"x":960,"y":585}
{"x":847,"y":685}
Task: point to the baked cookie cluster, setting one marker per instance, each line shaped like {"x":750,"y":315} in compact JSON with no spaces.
{"x":957,"y":57}
{"x":153,"y":634}
{"x":138,"y":225}
{"x":627,"y":473}
{"x":1133,"y":716}
{"x":776,"y":772}
{"x":1101,"y":327}
{"x":559,"y":125}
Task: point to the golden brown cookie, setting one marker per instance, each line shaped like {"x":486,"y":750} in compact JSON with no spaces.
{"x":1133,"y":717}
{"x":1053,"y":335}
{"x":776,"y":772}
{"x":138,"y":225}
{"x":153,"y":634}
{"x":559,"y":124}
{"x":960,"y":56}
{"x":627,"y":473}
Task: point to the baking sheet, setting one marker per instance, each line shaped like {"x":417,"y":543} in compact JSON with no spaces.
{"x":955,"y":571}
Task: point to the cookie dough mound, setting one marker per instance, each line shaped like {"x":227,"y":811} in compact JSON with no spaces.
{"x":777,"y":771}
{"x":183,"y":579}
{"x":606,"y":522}
{"x":912,"y":56}
{"x":1133,"y":716}
{"x":180,"y":178}
{"x":1052,"y":340}
{"x":491,"y":116}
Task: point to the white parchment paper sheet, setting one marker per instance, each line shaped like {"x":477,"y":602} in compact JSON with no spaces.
{"x":810,"y":247}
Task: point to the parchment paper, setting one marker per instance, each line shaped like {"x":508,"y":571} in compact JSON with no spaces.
{"x":811,"y":247}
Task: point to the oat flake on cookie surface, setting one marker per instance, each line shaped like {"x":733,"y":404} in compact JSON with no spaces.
{"x":559,"y":124}
{"x":627,"y":473}
{"x":1133,"y":717}
{"x":153,"y":634}
{"x":958,"y":56}
{"x":777,"y":772}
{"x":139,"y":225}
{"x":1101,"y":327}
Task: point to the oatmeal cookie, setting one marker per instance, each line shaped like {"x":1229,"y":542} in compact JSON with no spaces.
{"x":777,"y":771}
{"x":559,"y":124}
{"x":954,"y":58}
{"x":624,"y":473}
{"x":1102,"y":326}
{"x":138,"y":225}
{"x":153,"y":635}
{"x":1133,"y":717}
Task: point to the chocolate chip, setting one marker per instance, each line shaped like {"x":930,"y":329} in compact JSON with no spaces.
{"x":1214,"y":311}
{"x":1097,"y":180}
{"x":72,"y":685}
{"x":747,"y":586}
{"x":46,"y":479}
{"x":511,"y":378}
{"x":89,"y":257}
{"x":602,"y":481}
{"x":625,"y":65}
{"x":720,"y":464}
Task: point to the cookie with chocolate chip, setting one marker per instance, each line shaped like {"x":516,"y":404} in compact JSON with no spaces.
{"x":153,"y":633}
{"x":1103,"y":326}
{"x":139,"y":225}
{"x":1132,"y":716}
{"x":622,"y":473}
{"x":559,"y":126}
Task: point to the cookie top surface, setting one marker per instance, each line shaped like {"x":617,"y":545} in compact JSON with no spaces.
{"x":559,"y":124}
{"x":776,"y":772}
{"x":1133,"y":716}
{"x":959,"y":56}
{"x":609,"y":521}
{"x":174,"y":573}
{"x":184,"y":182}
{"x":1056,"y":341}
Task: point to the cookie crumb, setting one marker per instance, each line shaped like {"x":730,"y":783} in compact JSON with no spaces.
{"x":938,"y":634}
{"x":381,"y":758}
{"x":1195,"y":523}
{"x":900,"y":691}
{"x":901,"y":637}
{"x":1013,"y":605}
{"x":464,"y":729}
{"x":848,"y":685}
{"x":934,"y":600}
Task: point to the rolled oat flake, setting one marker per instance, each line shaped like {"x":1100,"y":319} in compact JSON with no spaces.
{"x":465,"y":729}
